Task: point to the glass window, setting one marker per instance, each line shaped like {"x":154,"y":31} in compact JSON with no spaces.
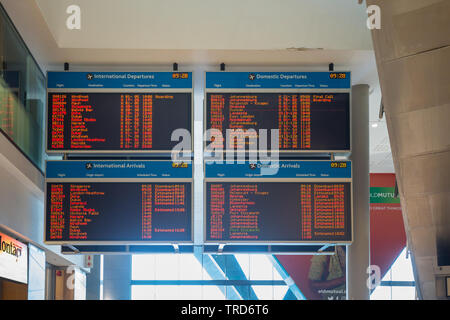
{"x":191,"y":269}
{"x":22,"y":94}
{"x":403,"y":293}
{"x":192,"y":277}
{"x":260,"y":267}
{"x":143,"y":292}
{"x":143,"y":267}
{"x":167,"y":267}
{"x":402,"y":270}
{"x":244,"y":262}
{"x":392,"y":286}
{"x":270,"y":292}
{"x":381,"y":293}
{"x":181,"y":292}
{"x":213,"y":292}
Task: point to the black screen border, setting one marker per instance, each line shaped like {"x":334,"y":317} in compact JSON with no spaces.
{"x":280,"y":242}
{"x":112,"y":181}
{"x":278,"y":91}
{"x":118,"y":90}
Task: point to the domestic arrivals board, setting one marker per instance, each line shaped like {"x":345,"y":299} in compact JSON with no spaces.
{"x":311,"y":110}
{"x":107,"y":202}
{"x":117,"y":112}
{"x":299,"y":202}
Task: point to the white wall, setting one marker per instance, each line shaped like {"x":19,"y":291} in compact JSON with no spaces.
{"x":22,"y":201}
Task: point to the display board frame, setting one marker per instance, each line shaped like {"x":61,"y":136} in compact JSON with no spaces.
{"x":275,"y":179}
{"x":274,"y":89}
{"x":117,"y":90}
{"x":447,"y":286}
{"x":118,"y":180}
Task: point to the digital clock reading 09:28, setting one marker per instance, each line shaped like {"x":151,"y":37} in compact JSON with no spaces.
{"x":338,"y":75}
{"x":180,"y":75}
{"x":338,"y":164}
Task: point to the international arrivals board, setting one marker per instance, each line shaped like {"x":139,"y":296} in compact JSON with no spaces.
{"x":107,"y":202}
{"x":303,"y":202}
{"x":117,"y":112}
{"x":311,"y":111}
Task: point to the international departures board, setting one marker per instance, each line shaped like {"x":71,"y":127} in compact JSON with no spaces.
{"x":305,"y":201}
{"x":310,"y":110}
{"x":128,"y":201}
{"x":117,"y":112}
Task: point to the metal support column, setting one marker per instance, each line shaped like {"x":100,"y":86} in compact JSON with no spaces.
{"x":93,"y":280}
{"x":358,"y":254}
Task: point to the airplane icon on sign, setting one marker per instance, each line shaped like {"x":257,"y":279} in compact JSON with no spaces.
{"x":89,"y":76}
{"x":251,"y":76}
{"x":88,"y":166}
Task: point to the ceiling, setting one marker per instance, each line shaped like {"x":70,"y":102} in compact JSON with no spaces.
{"x":209,"y":24}
{"x":200,"y":34}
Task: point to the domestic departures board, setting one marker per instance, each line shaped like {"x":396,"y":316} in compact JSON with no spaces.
{"x":123,"y":206}
{"x":303,"y":202}
{"x":120,"y":115}
{"x":310,"y":110}
{"x":307,"y":121}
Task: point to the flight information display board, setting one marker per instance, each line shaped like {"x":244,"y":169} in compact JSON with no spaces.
{"x":310,"y":110}
{"x":117,"y":112}
{"x":106,"y":202}
{"x":304,"y":202}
